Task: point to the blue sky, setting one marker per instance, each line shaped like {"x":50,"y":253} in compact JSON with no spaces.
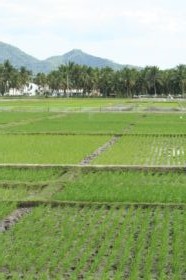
{"x":130,"y":32}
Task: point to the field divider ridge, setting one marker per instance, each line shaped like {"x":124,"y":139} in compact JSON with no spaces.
{"x":13,"y":218}
{"x":100,"y":150}
{"x":56,"y":203}
{"x":98,"y":167}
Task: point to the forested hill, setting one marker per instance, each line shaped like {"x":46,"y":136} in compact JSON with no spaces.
{"x":19,"y":58}
{"x":82,"y":58}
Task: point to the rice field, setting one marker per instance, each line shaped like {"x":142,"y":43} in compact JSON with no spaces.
{"x":18,"y":117}
{"x":78,"y":123}
{"x":86,"y":222}
{"x":51,"y":149}
{"x":160,"y":124}
{"x":33,"y":175}
{"x":87,"y":104}
{"x":96,"y":243}
{"x":160,"y":150}
{"x":63,"y":104}
{"x":128,"y":187}
{"x":19,"y":192}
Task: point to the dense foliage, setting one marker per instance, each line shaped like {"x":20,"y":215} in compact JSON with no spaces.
{"x":82,"y":80}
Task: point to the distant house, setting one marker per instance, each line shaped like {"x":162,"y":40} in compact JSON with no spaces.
{"x":30,"y":89}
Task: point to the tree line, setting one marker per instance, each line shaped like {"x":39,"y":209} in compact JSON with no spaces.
{"x":122,"y":83}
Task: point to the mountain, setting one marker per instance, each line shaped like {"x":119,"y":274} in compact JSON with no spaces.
{"x":19,"y":58}
{"x":82,"y":58}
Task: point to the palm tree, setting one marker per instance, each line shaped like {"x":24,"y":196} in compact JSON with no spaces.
{"x":181,"y":78}
{"x":153,"y":78}
{"x":106,"y":81}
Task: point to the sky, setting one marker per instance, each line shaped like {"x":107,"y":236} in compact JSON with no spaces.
{"x":136,"y":32}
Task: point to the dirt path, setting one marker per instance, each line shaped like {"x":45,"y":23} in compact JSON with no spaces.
{"x":13,"y":218}
{"x":100,"y":150}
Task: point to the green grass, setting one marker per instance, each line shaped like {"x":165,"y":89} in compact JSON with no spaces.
{"x":137,"y":187}
{"x":95,"y":243}
{"x":146,"y":150}
{"x":47,"y":149}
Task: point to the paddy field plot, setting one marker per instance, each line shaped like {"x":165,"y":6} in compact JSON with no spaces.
{"x":52,"y":149}
{"x":85,"y":222}
{"x":100,"y":123}
{"x":26,"y":184}
{"x":89,"y":104}
{"x":157,"y":123}
{"x":17,"y":117}
{"x":32,"y":175}
{"x":57,"y":104}
{"x":19,"y":192}
{"x":96,"y":243}
{"x":79,"y":123}
{"x":146,"y":150}
{"x":128,"y":187}
{"x":92,"y":186}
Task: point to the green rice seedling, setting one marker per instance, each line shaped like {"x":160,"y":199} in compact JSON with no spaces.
{"x":73,"y":242}
{"x":153,"y":150}
{"x":178,"y":245}
{"x":52,"y":149}
{"x":130,"y":186}
{"x":19,"y":192}
{"x":105,"y":270}
{"x":75,"y":123}
{"x":161,"y":124}
{"x":6,"y":208}
{"x":8,"y":174}
{"x":152,"y":251}
{"x":53,"y":104}
{"x":123,"y":269}
{"x":99,"y":249}
{"x":17,"y":117}
{"x":137,"y":266}
{"x":71,"y":258}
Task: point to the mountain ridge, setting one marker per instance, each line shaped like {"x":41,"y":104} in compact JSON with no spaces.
{"x":19,"y":58}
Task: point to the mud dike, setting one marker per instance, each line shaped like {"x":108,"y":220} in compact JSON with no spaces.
{"x":100,"y":150}
{"x":13,"y":218}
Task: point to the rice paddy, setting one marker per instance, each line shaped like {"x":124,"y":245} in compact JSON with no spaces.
{"x":125,"y":219}
{"x":47,"y":148}
{"x":146,"y":150}
{"x":136,"y":187}
{"x":96,"y":243}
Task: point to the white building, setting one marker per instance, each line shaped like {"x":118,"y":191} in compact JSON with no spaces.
{"x":31,"y":90}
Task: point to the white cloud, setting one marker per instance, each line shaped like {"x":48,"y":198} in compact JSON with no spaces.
{"x":136,"y":32}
